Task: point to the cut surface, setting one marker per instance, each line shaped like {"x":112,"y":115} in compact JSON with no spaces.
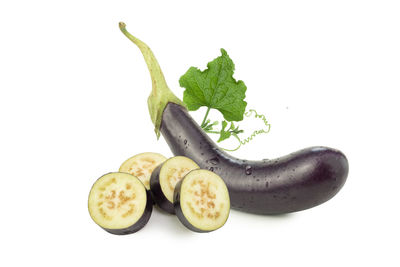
{"x":117,"y":200}
{"x":172,"y":171}
{"x":142,"y":165}
{"x":204,"y":200}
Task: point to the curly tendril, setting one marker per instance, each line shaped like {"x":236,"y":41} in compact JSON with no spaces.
{"x":247,"y":140}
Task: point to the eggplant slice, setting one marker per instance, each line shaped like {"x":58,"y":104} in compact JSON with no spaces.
{"x":142,"y":165}
{"x":165,"y":177}
{"x":201,"y":201}
{"x":119,"y":203}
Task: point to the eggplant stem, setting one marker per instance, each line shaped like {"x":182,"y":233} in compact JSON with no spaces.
{"x":160,"y":95}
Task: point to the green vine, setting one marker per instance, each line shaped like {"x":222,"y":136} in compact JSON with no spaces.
{"x":235,"y":131}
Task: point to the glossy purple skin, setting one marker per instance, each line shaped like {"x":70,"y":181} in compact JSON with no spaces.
{"x":295,"y":182}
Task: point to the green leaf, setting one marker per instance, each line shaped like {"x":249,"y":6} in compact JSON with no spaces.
{"x":208,"y":126}
{"x":215,"y":88}
{"x":224,"y":134}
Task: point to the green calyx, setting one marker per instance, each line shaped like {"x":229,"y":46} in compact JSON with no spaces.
{"x":160,"y":95}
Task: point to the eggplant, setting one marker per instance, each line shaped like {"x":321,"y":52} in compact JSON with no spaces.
{"x":119,"y":203}
{"x":165,"y":177}
{"x":295,"y":182}
{"x":201,"y":201}
{"x":142,"y":165}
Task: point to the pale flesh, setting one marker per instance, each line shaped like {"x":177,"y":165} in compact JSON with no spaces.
{"x":117,"y":200}
{"x":173,"y":170}
{"x":204,"y":200}
{"x":142,"y":165}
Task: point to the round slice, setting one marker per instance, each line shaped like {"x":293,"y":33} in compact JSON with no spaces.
{"x":165,"y":177}
{"x":201,"y":201}
{"x":142,"y":165}
{"x":119,"y":203}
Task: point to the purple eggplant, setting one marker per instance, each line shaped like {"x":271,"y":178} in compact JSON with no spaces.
{"x":295,"y":182}
{"x":298,"y":181}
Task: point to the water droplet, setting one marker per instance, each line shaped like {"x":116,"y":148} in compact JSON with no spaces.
{"x":257,"y":180}
{"x":214,"y":161}
{"x":211,"y":169}
{"x":249,"y":170}
{"x":266,"y":184}
{"x":185,"y":141}
{"x":202,"y":153}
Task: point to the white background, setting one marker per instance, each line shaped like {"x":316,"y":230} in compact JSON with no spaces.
{"x":73,"y":107}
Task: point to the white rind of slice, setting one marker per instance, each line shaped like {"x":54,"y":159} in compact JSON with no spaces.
{"x":204,"y":200}
{"x":142,"y":165}
{"x":172,"y":171}
{"x":117,"y":200}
